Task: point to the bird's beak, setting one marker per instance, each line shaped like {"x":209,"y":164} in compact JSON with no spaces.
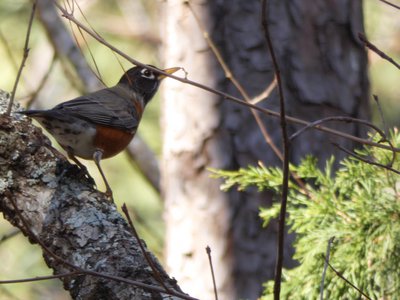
{"x":168,"y":71}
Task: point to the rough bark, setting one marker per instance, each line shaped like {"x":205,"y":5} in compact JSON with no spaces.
{"x":196,"y":212}
{"x":324,"y":72}
{"x":70,"y":217}
{"x":324,"y":66}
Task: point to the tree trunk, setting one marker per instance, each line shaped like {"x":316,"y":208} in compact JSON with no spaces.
{"x":324,"y":73}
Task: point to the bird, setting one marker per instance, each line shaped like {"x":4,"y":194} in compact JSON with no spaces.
{"x":101,"y":124}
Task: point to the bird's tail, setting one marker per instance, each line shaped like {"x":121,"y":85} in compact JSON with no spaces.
{"x":32,"y":112}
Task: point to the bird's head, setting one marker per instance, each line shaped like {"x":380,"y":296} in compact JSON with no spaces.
{"x":144,"y":81}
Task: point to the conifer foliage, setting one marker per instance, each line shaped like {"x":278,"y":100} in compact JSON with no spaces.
{"x":358,"y":205}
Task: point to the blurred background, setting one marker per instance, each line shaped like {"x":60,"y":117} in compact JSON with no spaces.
{"x":133,"y":27}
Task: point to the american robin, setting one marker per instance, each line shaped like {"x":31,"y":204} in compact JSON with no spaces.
{"x":101,"y":124}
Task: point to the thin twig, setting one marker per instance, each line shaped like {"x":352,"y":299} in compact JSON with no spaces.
{"x":328,"y":254}
{"x":86,"y":43}
{"x":265,"y":111}
{"x":265,"y":93}
{"x":78,"y":46}
{"x":24,"y":58}
{"x":285,"y":167}
{"x":391,"y":4}
{"x":41,"y":278}
{"x":62,"y":40}
{"x":339,"y":119}
{"x":385,"y":128}
{"x":346,"y":280}
{"x":144,"y":252}
{"x":208,"y":250}
{"x":374,"y":48}
{"x":349,"y":119}
{"x":152,"y":234}
{"x":387,"y":167}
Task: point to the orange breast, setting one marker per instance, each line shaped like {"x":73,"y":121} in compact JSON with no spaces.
{"x":111,"y":140}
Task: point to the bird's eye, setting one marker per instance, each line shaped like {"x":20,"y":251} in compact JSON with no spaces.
{"x":148,"y":74}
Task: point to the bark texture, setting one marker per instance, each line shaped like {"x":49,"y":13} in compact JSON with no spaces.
{"x":71,"y":218}
{"x":324,"y":72}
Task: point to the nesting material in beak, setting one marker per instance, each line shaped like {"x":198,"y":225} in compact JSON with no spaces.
{"x":168,"y":71}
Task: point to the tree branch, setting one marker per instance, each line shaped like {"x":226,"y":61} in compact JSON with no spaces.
{"x":375,"y":49}
{"x":24,"y":58}
{"x":285,"y":163}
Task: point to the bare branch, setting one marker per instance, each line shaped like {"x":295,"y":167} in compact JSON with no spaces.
{"x":65,"y":46}
{"x":328,"y":253}
{"x":376,"y":98}
{"x":350,"y":119}
{"x":346,"y":280}
{"x":265,"y":94}
{"x":24,"y":58}
{"x":286,"y":147}
{"x":208,"y":250}
{"x":156,"y":274}
{"x":339,"y":119}
{"x":41,"y":278}
{"x":387,"y":167}
{"x":374,"y":48}
{"x":391,"y":4}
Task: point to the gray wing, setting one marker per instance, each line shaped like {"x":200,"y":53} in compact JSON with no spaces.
{"x":110,"y":107}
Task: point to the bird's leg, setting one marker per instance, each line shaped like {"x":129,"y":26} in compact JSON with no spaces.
{"x":97,"y":156}
{"x":76,"y":161}
{"x":81,"y":167}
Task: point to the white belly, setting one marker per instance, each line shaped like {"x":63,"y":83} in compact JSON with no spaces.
{"x":75,"y":137}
